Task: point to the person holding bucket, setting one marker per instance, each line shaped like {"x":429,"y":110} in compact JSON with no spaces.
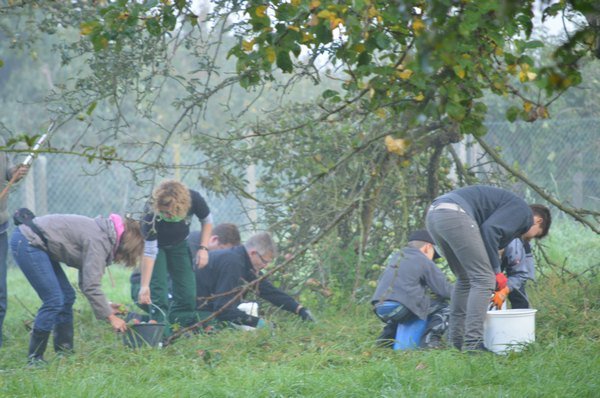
{"x":402,"y":293}
{"x":40,"y":244}
{"x":470,"y":225}
{"x":166,"y":224}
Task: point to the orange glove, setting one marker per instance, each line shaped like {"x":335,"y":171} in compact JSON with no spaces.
{"x":500,"y":297}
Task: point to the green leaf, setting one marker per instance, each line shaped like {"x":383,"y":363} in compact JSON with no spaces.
{"x":169,"y":20}
{"x":99,"y":41}
{"x":382,"y":40}
{"x":1,"y":63}
{"x":180,"y":4}
{"x":534,"y":44}
{"x":472,"y":126}
{"x":150,"y":4}
{"x":284,"y":61}
{"x":285,"y":12}
{"x":455,"y":111}
{"x":153,"y":27}
{"x":526,"y":22}
{"x":512,"y":113}
{"x":364,"y":58}
{"x":329,"y":93}
{"x":91,"y":108}
{"x":89,"y":27}
{"x":323,"y":33}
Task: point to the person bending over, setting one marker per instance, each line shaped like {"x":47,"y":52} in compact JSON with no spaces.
{"x":470,"y":225}
{"x":87,"y":244}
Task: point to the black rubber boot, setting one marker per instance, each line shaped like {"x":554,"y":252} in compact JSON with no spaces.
{"x":387,"y":336}
{"x":37,"y":346}
{"x":63,"y":337}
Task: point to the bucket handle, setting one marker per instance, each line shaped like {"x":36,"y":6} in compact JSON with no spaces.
{"x":157,"y":307}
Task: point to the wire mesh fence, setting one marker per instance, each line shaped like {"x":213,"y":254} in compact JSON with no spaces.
{"x":561,"y":156}
{"x":60,"y":184}
{"x":558,"y":155}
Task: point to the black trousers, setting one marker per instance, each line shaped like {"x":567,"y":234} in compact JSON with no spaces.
{"x":518,"y":298}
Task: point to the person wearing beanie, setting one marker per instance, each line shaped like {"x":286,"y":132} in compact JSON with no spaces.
{"x":403,"y":292}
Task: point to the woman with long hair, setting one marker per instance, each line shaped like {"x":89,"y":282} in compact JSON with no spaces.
{"x":87,"y":244}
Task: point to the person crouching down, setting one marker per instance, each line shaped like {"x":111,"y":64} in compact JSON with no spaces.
{"x":403,"y":292}
{"x":218,"y":285}
{"x":88,"y":244}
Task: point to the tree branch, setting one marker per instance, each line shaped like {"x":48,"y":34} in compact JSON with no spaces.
{"x":575,"y":213}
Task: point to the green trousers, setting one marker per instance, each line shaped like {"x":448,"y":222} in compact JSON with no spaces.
{"x":174,"y":261}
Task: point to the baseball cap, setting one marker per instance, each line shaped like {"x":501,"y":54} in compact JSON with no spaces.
{"x":424,"y":236}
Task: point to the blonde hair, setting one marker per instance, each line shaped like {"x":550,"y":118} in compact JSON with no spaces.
{"x":131,"y":247}
{"x":173,"y":197}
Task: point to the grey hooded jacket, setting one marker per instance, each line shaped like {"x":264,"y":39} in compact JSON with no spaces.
{"x":79,"y":242}
{"x":519,"y":264}
{"x":407,"y":278}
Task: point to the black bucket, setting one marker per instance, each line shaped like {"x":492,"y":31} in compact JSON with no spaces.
{"x":142,"y":334}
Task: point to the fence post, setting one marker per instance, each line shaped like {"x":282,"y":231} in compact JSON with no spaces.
{"x":42,"y":180}
{"x":29,"y":189}
{"x":251,"y":207}
{"x":578,"y":179}
{"x":177,"y":161}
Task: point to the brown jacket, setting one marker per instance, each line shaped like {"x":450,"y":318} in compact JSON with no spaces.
{"x":79,"y":242}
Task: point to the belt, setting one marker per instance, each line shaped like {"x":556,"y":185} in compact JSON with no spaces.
{"x":447,"y":206}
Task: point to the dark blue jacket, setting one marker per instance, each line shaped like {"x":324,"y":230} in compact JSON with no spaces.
{"x":229,"y":270}
{"x":501,"y":215}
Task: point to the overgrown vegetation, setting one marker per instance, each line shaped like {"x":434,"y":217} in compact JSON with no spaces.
{"x":333,"y":358}
{"x":347,"y":154}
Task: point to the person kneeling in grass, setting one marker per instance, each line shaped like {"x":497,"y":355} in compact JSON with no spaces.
{"x":227,"y":272}
{"x":403,"y":290}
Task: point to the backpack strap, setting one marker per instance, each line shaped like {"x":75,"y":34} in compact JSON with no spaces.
{"x":26,"y":216}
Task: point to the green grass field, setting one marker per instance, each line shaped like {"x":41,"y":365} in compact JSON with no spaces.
{"x":334,"y":357}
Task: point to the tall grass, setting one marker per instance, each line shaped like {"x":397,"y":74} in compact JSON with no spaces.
{"x":334,"y":357}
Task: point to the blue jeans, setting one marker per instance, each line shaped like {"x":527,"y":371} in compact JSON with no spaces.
{"x":48,"y":280}
{"x":3,"y":266}
{"x":393,"y":312}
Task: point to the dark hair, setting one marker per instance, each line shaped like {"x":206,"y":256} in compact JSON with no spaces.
{"x":417,"y":244}
{"x":228,"y":234}
{"x":542,"y":212}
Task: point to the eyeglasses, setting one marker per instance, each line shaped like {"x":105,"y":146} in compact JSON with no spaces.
{"x":265,"y":262}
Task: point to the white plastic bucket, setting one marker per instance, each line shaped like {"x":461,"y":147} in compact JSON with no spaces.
{"x":509,"y":330}
{"x":250,"y":308}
